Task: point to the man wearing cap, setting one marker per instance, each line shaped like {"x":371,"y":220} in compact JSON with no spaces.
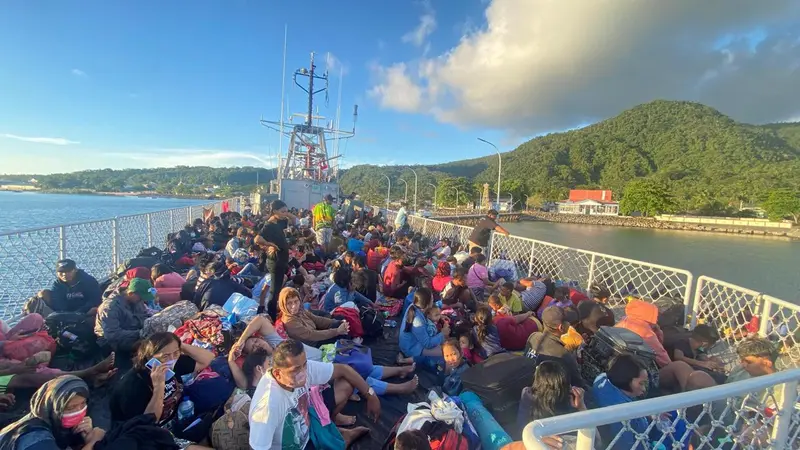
{"x":546,"y":345}
{"x":120,"y":319}
{"x":323,"y":216}
{"x":483,"y":230}
{"x":74,"y":290}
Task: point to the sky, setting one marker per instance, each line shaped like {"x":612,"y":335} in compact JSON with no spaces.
{"x":89,"y":84}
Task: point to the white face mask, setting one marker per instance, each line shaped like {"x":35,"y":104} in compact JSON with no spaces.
{"x":300,"y":379}
{"x":171,"y":364}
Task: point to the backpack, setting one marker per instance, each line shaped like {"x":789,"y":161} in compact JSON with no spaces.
{"x":173,"y":316}
{"x":372,"y":322}
{"x":74,"y":332}
{"x":352,"y":318}
{"x":671,"y":312}
{"x":356,"y":356}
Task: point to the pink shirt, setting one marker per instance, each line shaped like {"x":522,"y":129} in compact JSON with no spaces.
{"x":476,"y":276}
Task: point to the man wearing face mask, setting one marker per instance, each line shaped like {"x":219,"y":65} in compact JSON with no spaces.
{"x":281,"y":413}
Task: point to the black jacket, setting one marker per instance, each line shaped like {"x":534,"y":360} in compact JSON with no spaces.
{"x":81,"y":296}
{"x":217,"y":291}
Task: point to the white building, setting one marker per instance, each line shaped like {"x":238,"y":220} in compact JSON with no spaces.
{"x":589,"y":207}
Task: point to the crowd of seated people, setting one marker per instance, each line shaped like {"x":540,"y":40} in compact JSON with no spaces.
{"x":259,"y":323}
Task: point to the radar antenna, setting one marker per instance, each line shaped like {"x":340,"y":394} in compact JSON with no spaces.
{"x":307,"y":156}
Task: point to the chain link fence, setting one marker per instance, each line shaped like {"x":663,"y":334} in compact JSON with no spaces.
{"x":27,"y":258}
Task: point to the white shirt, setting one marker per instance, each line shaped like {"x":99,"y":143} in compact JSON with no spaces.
{"x":444,"y":252}
{"x":279,"y":418}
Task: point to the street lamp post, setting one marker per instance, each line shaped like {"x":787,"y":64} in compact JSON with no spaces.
{"x":434,"y":194}
{"x":405,"y":199}
{"x":499,"y":168}
{"x":527,"y":200}
{"x":456,"y":197}
{"x":415,"y":188}
{"x":388,"y":192}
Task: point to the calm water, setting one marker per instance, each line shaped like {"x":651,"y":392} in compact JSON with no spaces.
{"x":764,"y":264}
{"x":33,"y":210}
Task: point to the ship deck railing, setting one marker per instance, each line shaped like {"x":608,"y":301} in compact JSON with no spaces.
{"x":733,"y":310}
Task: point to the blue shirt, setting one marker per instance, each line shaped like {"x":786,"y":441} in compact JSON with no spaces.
{"x":354,"y":245}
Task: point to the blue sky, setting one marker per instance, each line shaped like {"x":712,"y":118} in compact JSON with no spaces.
{"x":97,"y":84}
{"x":91,"y":84}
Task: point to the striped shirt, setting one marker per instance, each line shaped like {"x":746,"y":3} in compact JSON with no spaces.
{"x":532,"y":297}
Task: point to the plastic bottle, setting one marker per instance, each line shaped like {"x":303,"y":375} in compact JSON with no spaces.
{"x":69,"y":336}
{"x":185,"y":409}
{"x":390,"y":323}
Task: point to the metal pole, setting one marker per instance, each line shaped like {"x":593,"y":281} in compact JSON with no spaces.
{"x":456,"y":197}
{"x":388,"y":193}
{"x":499,"y":168}
{"x":149,"y":230}
{"x":415,"y":188}
{"x":114,"y":245}
{"x":406,"y":196}
{"x":434,"y":194}
{"x":62,"y":244}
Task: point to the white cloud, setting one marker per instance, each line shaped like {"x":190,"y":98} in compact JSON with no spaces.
{"x":334,"y":65}
{"x":169,"y":157}
{"x":426,"y":26}
{"x":40,"y":140}
{"x":540,"y":65}
{"x":397,"y":90}
{"x":78,"y":73}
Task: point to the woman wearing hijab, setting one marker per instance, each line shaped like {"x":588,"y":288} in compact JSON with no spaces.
{"x":57,"y":419}
{"x":308,"y":328}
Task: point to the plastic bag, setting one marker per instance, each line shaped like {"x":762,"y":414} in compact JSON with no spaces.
{"x":245,"y":308}
{"x":445,"y":410}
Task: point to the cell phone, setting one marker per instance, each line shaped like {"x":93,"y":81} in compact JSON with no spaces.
{"x":153,"y":363}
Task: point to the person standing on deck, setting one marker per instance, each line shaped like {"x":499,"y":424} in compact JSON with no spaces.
{"x":323,"y":217}
{"x":273,"y":239}
{"x":401,"y":220}
{"x":483,"y":230}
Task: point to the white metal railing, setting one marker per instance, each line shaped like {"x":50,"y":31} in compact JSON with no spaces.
{"x":736,"y":311}
{"x":621,"y":276}
{"x":726,"y":416}
{"x":27,"y":257}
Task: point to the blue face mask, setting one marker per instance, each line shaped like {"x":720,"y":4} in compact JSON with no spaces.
{"x":452,"y":269}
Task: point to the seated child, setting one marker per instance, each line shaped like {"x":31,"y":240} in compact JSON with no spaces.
{"x":455,"y":365}
{"x":469,"y":348}
{"x":499,"y":309}
{"x":434,"y":315}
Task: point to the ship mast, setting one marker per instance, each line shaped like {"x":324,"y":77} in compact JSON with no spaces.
{"x":307,"y":155}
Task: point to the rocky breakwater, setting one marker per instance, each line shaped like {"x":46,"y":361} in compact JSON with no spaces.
{"x":471,"y":220}
{"x":649,"y":222}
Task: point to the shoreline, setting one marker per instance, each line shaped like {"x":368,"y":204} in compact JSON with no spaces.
{"x":651,"y":223}
{"x":113,"y":194}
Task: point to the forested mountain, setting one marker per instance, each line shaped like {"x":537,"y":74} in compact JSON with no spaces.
{"x":706,"y":159}
{"x":173,"y":180}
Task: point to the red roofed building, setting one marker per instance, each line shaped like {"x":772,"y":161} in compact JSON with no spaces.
{"x":589,"y":202}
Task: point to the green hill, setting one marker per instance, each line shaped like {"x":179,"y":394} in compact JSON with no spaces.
{"x":707,"y":159}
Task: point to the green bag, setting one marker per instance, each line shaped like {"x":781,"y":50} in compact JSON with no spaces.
{"x":327,"y":437}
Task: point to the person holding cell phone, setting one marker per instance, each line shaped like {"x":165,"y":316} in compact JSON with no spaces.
{"x":154,"y":385}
